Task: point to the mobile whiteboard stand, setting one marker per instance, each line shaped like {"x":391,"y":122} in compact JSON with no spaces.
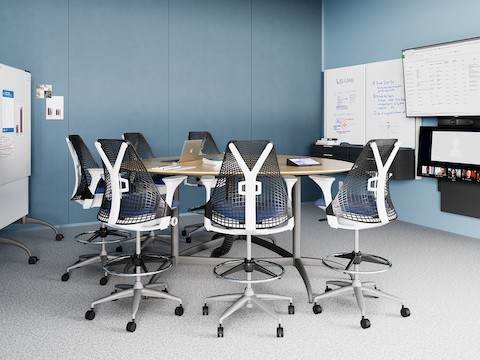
{"x":15,"y":152}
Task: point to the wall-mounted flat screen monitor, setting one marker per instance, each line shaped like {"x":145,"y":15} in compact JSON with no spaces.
{"x":452,"y":153}
{"x":443,"y":80}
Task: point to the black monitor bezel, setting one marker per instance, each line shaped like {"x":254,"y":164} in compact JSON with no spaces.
{"x":445,"y":117}
{"x":424,"y":153}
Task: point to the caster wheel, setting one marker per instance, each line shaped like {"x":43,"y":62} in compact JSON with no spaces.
{"x":279,"y":331}
{"x":317,"y":309}
{"x":103,"y":280}
{"x":32,"y":259}
{"x":365,"y":323}
{"x":119,"y":249}
{"x":220,"y":331}
{"x":131,"y":326}
{"x":405,"y":312}
{"x":58,"y":237}
{"x":205,"y":310}
{"x":90,"y":315}
{"x":179,"y":310}
{"x":188,"y":240}
{"x":291,"y":309}
{"x":65,"y":276}
{"x":327,"y":289}
{"x":184,"y":232}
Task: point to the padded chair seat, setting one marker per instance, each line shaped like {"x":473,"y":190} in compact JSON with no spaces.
{"x":100,"y":187}
{"x":100,"y":190}
{"x":158,"y":179}
{"x":237,"y":211}
{"x":320,"y":203}
{"x":361,"y":206}
{"x":134,"y":205}
{"x":364,"y":209}
{"x":128,"y":213}
{"x":142,"y":210}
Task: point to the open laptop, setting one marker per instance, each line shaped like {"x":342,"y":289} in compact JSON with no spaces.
{"x":190,"y":151}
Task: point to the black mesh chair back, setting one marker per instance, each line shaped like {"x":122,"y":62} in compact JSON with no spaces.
{"x":209,"y":146}
{"x":227,"y":206}
{"x":144,"y":150}
{"x":86,"y":161}
{"x":140,"y":200}
{"x":355,"y":200}
{"x":88,"y":191}
{"x":140,"y":144}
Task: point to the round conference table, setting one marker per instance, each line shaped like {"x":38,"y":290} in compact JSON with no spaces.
{"x":198,"y":168}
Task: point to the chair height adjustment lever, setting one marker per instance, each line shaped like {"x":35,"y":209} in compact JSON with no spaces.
{"x":103,"y":232}
{"x":249,"y":265}
{"x":138,"y":260}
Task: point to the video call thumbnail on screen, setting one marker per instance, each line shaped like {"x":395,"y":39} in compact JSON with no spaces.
{"x":451,"y":173}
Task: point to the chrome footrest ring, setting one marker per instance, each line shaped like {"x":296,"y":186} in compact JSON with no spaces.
{"x":261,"y":268}
{"x":377,"y":264}
{"x":113,"y":238}
{"x":131,"y":266}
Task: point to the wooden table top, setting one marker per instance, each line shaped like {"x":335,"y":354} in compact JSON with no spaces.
{"x":198,"y":168}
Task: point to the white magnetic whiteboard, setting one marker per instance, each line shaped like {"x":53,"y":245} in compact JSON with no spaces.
{"x":383,"y":111}
{"x":385,"y":104}
{"x":344,"y":94}
{"x":15,"y":130}
{"x":15,"y":134}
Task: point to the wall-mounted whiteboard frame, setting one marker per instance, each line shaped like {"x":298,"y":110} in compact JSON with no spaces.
{"x":381,"y":115}
{"x":15,"y":148}
{"x":344,"y":99}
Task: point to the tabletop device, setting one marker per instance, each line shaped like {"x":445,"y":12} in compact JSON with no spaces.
{"x":190,"y":151}
{"x":303,"y":162}
{"x":452,"y":153}
{"x":441,"y":81}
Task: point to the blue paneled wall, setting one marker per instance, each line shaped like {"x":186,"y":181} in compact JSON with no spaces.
{"x":238,"y":68}
{"x":358,"y":32}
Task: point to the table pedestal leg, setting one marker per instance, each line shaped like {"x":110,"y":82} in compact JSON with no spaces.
{"x":175,"y":231}
{"x":297,"y":258}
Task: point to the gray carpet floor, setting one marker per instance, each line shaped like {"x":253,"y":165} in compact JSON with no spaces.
{"x":43,"y":317}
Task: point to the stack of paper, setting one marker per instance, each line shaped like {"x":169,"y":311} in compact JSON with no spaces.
{"x":327,"y":141}
{"x":213,"y":161}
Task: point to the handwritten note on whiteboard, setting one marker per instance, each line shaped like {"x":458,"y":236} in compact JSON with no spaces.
{"x":345,"y":104}
{"x":380,"y":110}
{"x":385,"y":104}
